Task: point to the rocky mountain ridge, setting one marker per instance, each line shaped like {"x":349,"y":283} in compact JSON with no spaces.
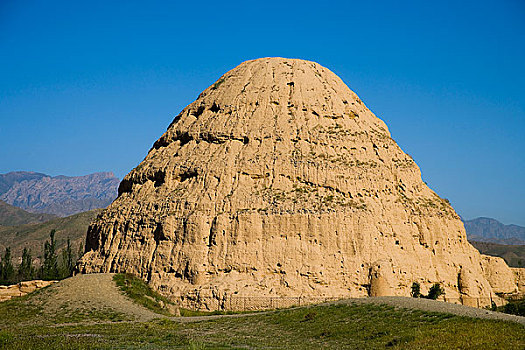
{"x":58,"y":195}
{"x":484,"y":229}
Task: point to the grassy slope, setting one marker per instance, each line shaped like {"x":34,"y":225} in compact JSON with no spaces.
{"x":142,"y":294}
{"x":10,"y":216}
{"x":33,"y":236}
{"x":23,"y":325}
{"x":512,"y":254}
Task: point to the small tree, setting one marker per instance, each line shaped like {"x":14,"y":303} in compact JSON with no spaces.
{"x":416,"y":290}
{"x":435,"y":291}
{"x":26,"y":270}
{"x":8,"y":270}
{"x":80,"y":250}
{"x":68,"y":263}
{"x":50,"y":265}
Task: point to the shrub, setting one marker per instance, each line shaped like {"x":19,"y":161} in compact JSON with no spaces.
{"x":26,"y":271}
{"x":515,"y":307}
{"x":435,"y":291}
{"x":7,"y":270}
{"x":416,"y":290}
{"x":50,"y":264}
{"x":310,"y":316}
{"x":218,"y":83}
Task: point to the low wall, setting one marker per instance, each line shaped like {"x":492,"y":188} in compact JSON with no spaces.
{"x":22,"y":288}
{"x":252,"y":303}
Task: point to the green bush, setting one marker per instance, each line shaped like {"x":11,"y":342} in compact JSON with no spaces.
{"x":515,"y":307}
{"x":435,"y":292}
{"x":416,"y":290}
{"x":7,"y":270}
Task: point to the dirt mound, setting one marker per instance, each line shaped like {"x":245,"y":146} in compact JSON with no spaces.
{"x":279,"y":181}
{"x":90,"y":295}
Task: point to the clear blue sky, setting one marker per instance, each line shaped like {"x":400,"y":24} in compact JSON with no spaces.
{"x":88,"y":86}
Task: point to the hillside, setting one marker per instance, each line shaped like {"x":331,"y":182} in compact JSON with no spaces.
{"x":514,"y":255}
{"x":491,"y":230}
{"x":11,"y":216}
{"x":58,"y":195}
{"x":33,"y":236}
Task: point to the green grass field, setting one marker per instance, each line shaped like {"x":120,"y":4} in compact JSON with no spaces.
{"x":25,"y":326}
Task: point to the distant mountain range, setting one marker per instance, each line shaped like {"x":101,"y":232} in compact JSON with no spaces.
{"x":58,"y":195}
{"x":491,"y":230}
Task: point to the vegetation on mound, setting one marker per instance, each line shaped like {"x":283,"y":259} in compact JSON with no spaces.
{"x":32,"y":310}
{"x":138,"y":291}
{"x":25,"y":323}
{"x":434,"y":292}
{"x":328,"y":327}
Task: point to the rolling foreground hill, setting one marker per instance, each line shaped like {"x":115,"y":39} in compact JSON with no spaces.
{"x":33,"y":236}
{"x":58,"y":195}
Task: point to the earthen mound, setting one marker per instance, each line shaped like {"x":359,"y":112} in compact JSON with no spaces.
{"x":279,"y":181}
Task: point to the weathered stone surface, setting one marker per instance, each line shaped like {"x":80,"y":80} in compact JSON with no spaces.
{"x":501,"y":277}
{"x":520,"y":278}
{"x":279,"y":181}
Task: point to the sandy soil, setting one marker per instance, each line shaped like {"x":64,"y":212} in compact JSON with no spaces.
{"x":97,"y":292}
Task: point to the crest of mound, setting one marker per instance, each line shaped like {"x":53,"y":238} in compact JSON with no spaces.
{"x":279,"y":181}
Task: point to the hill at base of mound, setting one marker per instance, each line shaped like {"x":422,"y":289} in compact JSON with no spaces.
{"x":83,"y":298}
{"x":101,"y":298}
